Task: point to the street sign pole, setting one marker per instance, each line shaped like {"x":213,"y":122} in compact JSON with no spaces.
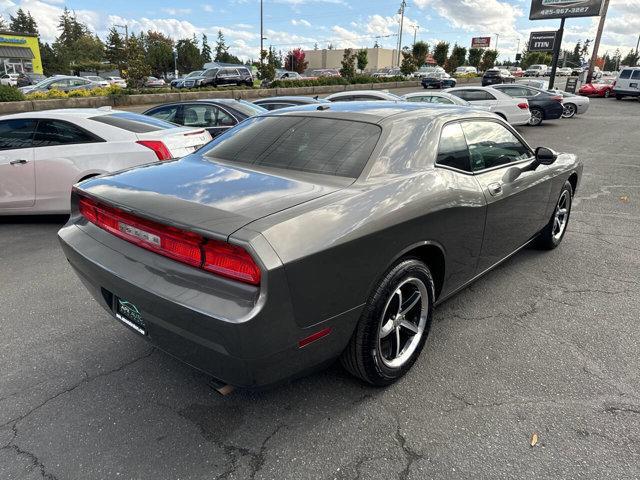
{"x":556,"y":54}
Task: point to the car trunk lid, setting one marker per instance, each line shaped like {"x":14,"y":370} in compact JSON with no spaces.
{"x":180,"y":141}
{"x":205,"y":196}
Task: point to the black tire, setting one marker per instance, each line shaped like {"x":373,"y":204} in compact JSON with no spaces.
{"x":548,"y":239}
{"x":618,"y":97}
{"x":537,"y":116}
{"x":607,"y":93}
{"x":425,"y":87}
{"x":363,"y":358}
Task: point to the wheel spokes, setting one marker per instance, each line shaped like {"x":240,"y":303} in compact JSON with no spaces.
{"x":411,"y":302}
{"x":387,"y":328}
{"x":409,"y":326}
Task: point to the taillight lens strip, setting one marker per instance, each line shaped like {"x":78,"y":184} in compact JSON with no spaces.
{"x":214,"y":256}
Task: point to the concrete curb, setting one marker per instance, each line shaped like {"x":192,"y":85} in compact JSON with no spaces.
{"x":158,"y":98}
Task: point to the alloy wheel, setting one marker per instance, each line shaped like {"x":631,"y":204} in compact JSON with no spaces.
{"x":403,"y":322}
{"x":607,"y":93}
{"x":536,"y":117}
{"x":569,"y":110}
{"x":561,"y":216}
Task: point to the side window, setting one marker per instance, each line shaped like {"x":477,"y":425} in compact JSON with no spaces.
{"x":55,"y":132}
{"x":366,"y":98}
{"x":206,"y":116}
{"x":441,"y":100}
{"x":625,"y":74}
{"x":635,"y":75}
{"x":168,"y":114}
{"x":463,"y":94}
{"x":60,"y":84}
{"x":16,"y":133}
{"x":452,"y":150}
{"x":492,"y":145}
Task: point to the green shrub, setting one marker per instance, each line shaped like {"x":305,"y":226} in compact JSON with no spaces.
{"x":10,"y":94}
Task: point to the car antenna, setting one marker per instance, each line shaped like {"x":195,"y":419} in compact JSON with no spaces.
{"x":316,"y":97}
{"x":323,"y":107}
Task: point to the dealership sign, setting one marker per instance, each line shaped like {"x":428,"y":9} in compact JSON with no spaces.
{"x":543,"y":9}
{"x":480,"y":42}
{"x":542,"y":41}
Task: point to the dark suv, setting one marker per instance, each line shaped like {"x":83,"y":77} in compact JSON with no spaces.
{"x":496,"y":76}
{"x":220,"y":76}
{"x":26,"y":79}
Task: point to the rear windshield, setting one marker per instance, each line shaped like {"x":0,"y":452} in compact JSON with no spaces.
{"x":133,"y":122}
{"x":247,"y":108}
{"x":308,"y":144}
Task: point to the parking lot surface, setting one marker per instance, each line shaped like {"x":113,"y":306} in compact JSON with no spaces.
{"x":546,"y":343}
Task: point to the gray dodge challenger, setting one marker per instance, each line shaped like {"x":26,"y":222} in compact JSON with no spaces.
{"x":314,"y":233}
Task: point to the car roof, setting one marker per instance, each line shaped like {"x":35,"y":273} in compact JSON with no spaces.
{"x":66,"y":112}
{"x":375,"y":112}
{"x":291,"y":98}
{"x":361,"y":92}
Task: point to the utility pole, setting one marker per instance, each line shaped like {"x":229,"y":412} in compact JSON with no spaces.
{"x":637,"y":45}
{"x":126,"y":31}
{"x":261,"y":35}
{"x":497,"y":38}
{"x":401,"y":12}
{"x":596,"y":45}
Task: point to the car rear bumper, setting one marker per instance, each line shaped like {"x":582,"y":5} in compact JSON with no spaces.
{"x":205,"y":321}
{"x":626,"y":93}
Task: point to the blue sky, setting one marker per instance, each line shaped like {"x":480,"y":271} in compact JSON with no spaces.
{"x":302,"y":23}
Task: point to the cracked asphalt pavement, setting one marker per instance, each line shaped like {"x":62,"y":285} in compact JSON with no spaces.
{"x":546,"y":343}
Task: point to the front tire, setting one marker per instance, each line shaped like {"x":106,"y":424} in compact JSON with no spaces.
{"x":393,"y":326}
{"x":569,"y":110}
{"x":551,"y":236}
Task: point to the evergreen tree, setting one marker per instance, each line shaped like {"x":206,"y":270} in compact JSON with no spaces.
{"x":362,"y":59}
{"x":189,"y":58}
{"x":159,"y":53}
{"x":348,"y":69}
{"x":221,"y":48}
{"x":630,"y":60}
{"x":420,"y":51}
{"x":23,"y":22}
{"x":205,"y":52}
{"x":475,"y":56}
{"x":137,"y":69}
{"x":488,"y":59}
{"x":408,"y":64}
{"x":441,"y":52}
{"x":114,"y":48}
{"x":3,"y":23}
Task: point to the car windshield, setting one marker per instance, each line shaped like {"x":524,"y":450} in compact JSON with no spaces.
{"x":133,"y":122}
{"x":308,"y":144}
{"x":195,"y":74}
{"x":492,"y":73}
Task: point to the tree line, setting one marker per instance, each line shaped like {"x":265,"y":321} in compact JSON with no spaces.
{"x":76,"y":49}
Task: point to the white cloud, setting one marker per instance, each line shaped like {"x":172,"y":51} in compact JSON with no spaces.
{"x":301,"y":21}
{"x":176,"y":11}
{"x":207,"y":8}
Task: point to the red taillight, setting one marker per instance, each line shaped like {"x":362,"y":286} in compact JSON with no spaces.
{"x":557,"y":98}
{"x":230,"y":261}
{"x":191,"y":248}
{"x":523,"y":106}
{"x":160,"y":149}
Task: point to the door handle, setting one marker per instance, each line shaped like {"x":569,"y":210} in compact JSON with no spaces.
{"x":495,"y":189}
{"x":21,"y":161}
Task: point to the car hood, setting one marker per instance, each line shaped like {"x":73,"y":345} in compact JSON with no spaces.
{"x":205,"y":195}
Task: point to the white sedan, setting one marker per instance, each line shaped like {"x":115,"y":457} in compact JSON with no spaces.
{"x":514,"y":110}
{"x":42,"y":154}
{"x":441,"y":98}
{"x":9,"y":79}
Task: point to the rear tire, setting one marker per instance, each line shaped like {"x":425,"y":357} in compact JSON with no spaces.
{"x":618,"y":97}
{"x":551,"y":235}
{"x":537,"y":115}
{"x":393,"y":326}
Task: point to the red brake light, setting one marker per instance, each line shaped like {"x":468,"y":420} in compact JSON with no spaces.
{"x":523,"y":106}
{"x":160,"y":149}
{"x":227,"y":260}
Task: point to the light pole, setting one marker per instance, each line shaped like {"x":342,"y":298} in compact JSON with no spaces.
{"x":415,"y":30}
{"x":261,"y":35}
{"x":175,"y":63}
{"x":594,"y":54}
{"x":401,"y":12}
{"x":497,"y":38}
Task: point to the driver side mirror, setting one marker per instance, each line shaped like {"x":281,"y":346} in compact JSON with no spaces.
{"x":545,"y":156}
